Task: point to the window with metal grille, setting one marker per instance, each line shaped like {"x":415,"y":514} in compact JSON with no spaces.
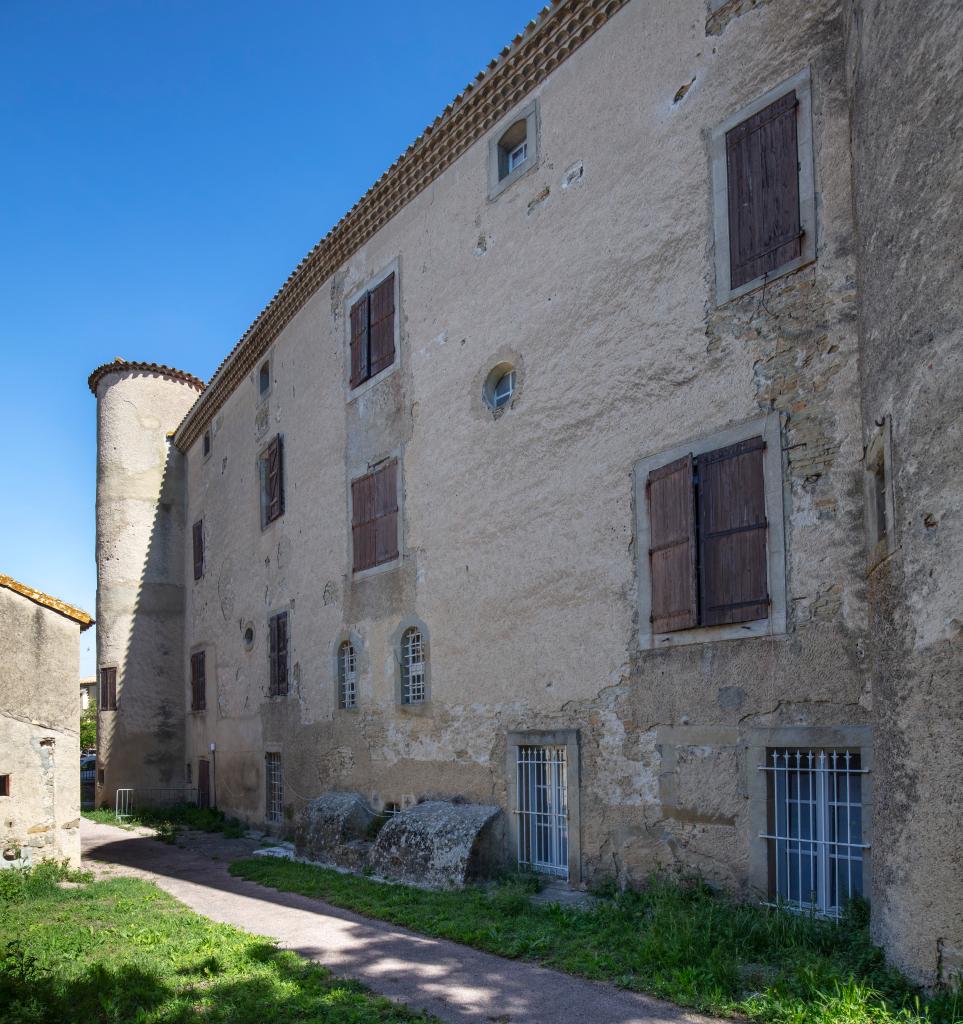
{"x":271,"y":478}
{"x":347,"y":676}
{"x":373,"y":331}
{"x":815,"y":828}
{"x":198,"y":681}
{"x":542,"y":809}
{"x":278,"y":655}
{"x":413,"y":686}
{"x":274,"y":787}
{"x":108,"y":689}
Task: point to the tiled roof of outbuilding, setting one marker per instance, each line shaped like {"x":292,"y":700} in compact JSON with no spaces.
{"x":122,"y":365}
{"x":47,"y":601}
{"x":557,"y":32}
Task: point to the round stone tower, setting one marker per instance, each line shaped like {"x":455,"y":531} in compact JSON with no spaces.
{"x":140,"y":577}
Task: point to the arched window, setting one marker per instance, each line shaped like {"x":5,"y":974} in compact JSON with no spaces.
{"x":413,"y":684}
{"x":347,"y":676}
{"x":513,"y":148}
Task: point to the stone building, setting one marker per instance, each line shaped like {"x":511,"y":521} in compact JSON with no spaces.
{"x":574,"y":472}
{"x":39,"y":726}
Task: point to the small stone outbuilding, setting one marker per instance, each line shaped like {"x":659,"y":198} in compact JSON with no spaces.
{"x":39,"y":726}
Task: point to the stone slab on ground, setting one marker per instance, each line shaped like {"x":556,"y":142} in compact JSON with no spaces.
{"x":457,"y":984}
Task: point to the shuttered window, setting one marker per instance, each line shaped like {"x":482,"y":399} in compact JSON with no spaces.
{"x":108,"y":689}
{"x":278,"y":654}
{"x":271,"y":470}
{"x":762,"y":172}
{"x":373,"y":332}
{"x":198,"y":535}
{"x":198,"y":682}
{"x":374,"y":517}
{"x":708,"y":557}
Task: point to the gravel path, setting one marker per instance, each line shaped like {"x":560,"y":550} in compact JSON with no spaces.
{"x":455,"y":983}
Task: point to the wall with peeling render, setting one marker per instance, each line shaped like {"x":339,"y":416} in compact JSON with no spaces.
{"x":593,"y":275}
{"x":906,"y":75}
{"x":39,"y":733}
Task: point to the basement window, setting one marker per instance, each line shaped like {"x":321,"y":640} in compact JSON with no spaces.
{"x":814,"y":828}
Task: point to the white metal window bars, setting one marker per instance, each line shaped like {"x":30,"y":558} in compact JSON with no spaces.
{"x":347,"y":676}
{"x":274,"y":778}
{"x":542,"y":809}
{"x":517,"y":156}
{"x":503,"y":390}
{"x":412,"y":667}
{"x":815,"y":829}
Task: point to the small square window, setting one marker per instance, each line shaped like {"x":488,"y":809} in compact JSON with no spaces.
{"x":4,"y":785}
{"x":513,"y":149}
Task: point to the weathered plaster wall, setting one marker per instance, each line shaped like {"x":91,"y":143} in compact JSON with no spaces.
{"x":594,"y":274}
{"x":140,"y":587}
{"x":906,"y":72}
{"x":39,"y":732}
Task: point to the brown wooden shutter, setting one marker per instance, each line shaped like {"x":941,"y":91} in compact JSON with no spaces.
{"x":374,"y":517}
{"x":273,"y":655}
{"x":386,"y":512}
{"x":672,"y":554}
{"x":382,"y":320}
{"x":275,"y":479}
{"x":732,"y":534}
{"x":281,"y":630}
{"x":762,"y":166}
{"x":360,"y":346}
{"x":198,"y":681}
{"x":198,"y":549}
{"x":108,"y":689}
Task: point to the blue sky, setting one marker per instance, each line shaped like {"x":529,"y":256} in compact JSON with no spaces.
{"x":164,"y":165}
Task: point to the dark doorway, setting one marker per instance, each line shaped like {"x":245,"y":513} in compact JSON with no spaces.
{"x":203,"y":783}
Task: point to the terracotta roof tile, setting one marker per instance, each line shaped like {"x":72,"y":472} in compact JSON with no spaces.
{"x":47,"y":601}
{"x":121,"y":365}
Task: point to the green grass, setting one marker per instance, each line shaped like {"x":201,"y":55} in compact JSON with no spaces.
{"x":124,"y":952}
{"x":678,"y":940}
{"x":167,"y":820}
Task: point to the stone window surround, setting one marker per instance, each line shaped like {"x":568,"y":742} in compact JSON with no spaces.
{"x":530,"y":114}
{"x":879,"y":453}
{"x":364,"y":470}
{"x":842,"y":737}
{"x":360,"y":665}
{"x":568,"y":738}
{"x":261,"y":456}
{"x":802,"y":83}
{"x":411,"y":622}
{"x":372,"y":282}
{"x":272,"y":612}
{"x":263,"y":396}
{"x":769,"y":426}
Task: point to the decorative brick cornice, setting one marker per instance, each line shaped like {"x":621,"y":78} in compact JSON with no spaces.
{"x":38,"y":597}
{"x":158,"y":369}
{"x":557,"y":32}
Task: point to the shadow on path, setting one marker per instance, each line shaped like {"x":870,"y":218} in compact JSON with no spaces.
{"x":456,"y":983}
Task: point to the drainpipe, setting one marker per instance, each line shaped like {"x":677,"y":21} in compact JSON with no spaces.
{"x":213,"y":777}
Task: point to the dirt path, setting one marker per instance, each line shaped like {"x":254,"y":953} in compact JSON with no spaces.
{"x":455,"y":983}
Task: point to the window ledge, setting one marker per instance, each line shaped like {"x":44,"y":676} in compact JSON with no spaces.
{"x":710,"y":634}
{"x":376,"y":570}
{"x":366,"y":385}
{"x":423,"y":707}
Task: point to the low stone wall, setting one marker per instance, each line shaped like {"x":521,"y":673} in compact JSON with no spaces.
{"x":439,"y":843}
